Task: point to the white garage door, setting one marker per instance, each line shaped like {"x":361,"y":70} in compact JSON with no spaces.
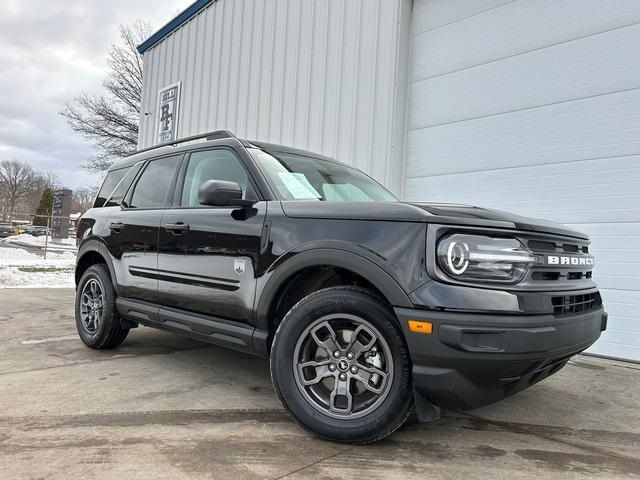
{"x":533,"y":106}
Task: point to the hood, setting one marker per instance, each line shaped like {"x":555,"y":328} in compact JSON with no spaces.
{"x":443,"y":213}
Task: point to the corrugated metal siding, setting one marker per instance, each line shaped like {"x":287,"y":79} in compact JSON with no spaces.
{"x":325,"y":75}
{"x":534,"y":107}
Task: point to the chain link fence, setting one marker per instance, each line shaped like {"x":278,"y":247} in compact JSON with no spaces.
{"x":34,"y":252}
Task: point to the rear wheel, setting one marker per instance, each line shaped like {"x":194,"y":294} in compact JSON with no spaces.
{"x":97,"y":319}
{"x":340,"y":365}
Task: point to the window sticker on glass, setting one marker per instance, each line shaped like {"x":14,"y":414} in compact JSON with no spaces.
{"x":298,"y":185}
{"x":303,"y":179}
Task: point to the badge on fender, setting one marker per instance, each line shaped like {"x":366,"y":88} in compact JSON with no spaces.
{"x":238,"y":266}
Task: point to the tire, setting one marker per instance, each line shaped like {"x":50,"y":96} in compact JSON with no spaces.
{"x":306,"y":376}
{"x":100,"y":328}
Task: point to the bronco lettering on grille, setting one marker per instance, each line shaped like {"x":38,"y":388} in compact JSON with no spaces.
{"x":569,"y":260}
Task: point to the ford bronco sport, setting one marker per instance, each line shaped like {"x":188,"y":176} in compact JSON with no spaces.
{"x":365,"y":305}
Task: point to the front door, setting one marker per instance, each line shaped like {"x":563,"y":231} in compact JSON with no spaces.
{"x":208,"y":254}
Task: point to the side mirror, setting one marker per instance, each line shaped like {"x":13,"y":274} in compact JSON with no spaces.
{"x":220,"y":193}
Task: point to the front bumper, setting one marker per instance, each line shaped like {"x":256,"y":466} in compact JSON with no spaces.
{"x":470,"y":360}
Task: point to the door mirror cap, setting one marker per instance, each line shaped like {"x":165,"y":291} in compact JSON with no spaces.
{"x":220,"y":193}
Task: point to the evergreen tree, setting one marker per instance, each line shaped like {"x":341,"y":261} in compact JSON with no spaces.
{"x":44,"y":208}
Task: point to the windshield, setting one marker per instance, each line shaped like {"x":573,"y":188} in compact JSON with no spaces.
{"x":296,"y":177}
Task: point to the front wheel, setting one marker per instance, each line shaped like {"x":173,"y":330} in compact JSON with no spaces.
{"x":340,"y":365}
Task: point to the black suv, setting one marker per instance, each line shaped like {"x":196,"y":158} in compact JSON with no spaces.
{"x":365,"y":305}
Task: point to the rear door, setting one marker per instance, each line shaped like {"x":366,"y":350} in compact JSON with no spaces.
{"x":208,"y":254}
{"x":133,"y":239}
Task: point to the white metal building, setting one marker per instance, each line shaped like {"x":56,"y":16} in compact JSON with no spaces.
{"x":531,"y":106}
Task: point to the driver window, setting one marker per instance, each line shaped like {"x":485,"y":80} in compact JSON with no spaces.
{"x":220,"y":164}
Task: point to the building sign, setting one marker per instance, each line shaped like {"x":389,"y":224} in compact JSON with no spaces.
{"x":169,"y":103}
{"x":61,"y":211}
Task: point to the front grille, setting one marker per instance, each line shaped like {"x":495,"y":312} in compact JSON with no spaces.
{"x":558,"y":277}
{"x":569,"y":304}
{"x":546,"y":246}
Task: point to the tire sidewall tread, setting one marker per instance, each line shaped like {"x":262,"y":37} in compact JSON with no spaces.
{"x":110,"y":333}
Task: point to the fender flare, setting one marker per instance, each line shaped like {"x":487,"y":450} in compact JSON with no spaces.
{"x":345,"y":259}
{"x":96,"y":246}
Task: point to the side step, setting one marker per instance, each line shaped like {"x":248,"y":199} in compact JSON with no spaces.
{"x":201,"y":327}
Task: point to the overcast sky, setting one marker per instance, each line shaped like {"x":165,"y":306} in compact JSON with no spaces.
{"x":50,"y":52}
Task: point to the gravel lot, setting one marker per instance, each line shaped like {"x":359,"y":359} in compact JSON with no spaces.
{"x":163,"y":406}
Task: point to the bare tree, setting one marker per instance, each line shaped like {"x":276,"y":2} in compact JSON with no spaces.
{"x":83,"y":198}
{"x":17,"y":179}
{"x":49,"y":180}
{"x":4,"y":201}
{"x":40,"y":183}
{"x":111,"y":120}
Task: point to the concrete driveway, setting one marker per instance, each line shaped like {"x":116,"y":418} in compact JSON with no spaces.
{"x":163,"y":406}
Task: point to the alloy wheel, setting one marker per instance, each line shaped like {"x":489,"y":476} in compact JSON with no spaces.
{"x":91,"y":305}
{"x":343,"y":366}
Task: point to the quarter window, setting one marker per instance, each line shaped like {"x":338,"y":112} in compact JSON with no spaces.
{"x":112,"y":179}
{"x":120,"y":191}
{"x":152,"y":189}
{"x":219,"y":164}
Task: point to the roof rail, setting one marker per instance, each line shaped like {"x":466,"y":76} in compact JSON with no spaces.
{"x":215,"y":135}
{"x":220,"y":134}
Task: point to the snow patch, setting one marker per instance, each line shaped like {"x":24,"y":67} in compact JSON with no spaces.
{"x":27,"y":240}
{"x":22,"y":269}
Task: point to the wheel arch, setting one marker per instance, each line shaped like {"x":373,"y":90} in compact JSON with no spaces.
{"x":93,"y":252}
{"x":346,"y":261}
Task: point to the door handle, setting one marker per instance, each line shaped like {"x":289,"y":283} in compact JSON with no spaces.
{"x":176,"y":228}
{"x":116,"y":226}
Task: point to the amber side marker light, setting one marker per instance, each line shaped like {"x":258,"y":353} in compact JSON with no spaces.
{"x":420,"y":327}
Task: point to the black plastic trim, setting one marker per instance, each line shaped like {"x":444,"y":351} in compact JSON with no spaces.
{"x":94,"y":246}
{"x":201,"y":327}
{"x":353,"y":262}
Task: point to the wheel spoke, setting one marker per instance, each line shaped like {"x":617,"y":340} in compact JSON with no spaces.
{"x":321,"y":371}
{"x":93,"y":286}
{"x":366,"y":375}
{"x":356,"y":346}
{"x":329,"y":344}
{"x":86,"y":299}
{"x":340,"y":391}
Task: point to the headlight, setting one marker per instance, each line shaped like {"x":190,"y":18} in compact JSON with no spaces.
{"x":484,"y":259}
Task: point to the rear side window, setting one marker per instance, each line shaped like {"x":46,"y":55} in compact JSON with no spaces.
{"x":110,"y":183}
{"x":152,"y":188}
